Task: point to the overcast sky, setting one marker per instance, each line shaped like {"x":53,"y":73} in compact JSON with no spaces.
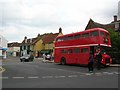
{"x":20,"y":18}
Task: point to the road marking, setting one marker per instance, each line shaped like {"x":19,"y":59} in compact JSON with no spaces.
{"x":97,"y":73}
{"x":33,"y":77}
{"x":2,"y":69}
{"x":110,"y":73}
{"x":3,"y":77}
{"x":82,"y":75}
{"x":60,"y":76}
{"x":88,"y":74}
{"x":47,"y":77}
{"x":72,"y":76}
{"x":18,"y":77}
{"x":116,"y":73}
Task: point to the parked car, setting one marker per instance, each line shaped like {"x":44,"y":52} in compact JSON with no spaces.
{"x":26,"y":58}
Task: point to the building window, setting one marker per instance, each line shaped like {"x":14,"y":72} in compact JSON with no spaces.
{"x":24,"y":47}
{"x":28,"y":47}
{"x":117,"y":24}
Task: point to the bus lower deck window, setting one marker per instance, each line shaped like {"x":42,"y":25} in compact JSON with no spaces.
{"x":77,"y":50}
{"x":84,"y":50}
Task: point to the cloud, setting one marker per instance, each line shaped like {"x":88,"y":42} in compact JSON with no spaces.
{"x":30,"y":17}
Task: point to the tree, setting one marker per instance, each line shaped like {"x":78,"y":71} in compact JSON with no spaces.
{"x":115,"y":41}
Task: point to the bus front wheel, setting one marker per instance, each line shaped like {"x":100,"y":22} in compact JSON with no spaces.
{"x":63,"y":61}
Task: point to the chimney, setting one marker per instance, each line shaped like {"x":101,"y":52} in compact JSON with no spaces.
{"x":60,"y":30}
{"x":115,"y":18}
{"x":25,"y":39}
{"x":38,"y":35}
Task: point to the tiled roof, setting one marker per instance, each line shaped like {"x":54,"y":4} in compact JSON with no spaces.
{"x":49,"y":38}
{"x":14,"y":44}
{"x":91,"y":24}
{"x":29,"y":41}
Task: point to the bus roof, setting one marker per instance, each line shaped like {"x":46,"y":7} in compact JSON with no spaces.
{"x":89,"y":30}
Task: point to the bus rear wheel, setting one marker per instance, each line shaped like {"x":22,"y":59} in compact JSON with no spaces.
{"x":63,"y":61}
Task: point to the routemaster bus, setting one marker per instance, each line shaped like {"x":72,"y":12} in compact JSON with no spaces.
{"x":75,"y":48}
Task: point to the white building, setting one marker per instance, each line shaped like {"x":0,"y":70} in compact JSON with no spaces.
{"x":13,"y":49}
{"x":119,"y":9}
{"x":3,"y":47}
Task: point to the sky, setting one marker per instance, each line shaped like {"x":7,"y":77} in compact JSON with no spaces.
{"x":20,"y":18}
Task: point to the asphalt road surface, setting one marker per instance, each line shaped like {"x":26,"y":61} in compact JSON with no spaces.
{"x":38,"y":74}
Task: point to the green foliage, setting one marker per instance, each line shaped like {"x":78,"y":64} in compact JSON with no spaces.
{"x":115,"y":40}
{"x":115,"y":50}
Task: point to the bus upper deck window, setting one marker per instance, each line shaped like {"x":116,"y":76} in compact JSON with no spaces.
{"x":102,"y":33}
{"x":59,"y":39}
{"x":94,"y":33}
{"x":70,"y":37}
{"x":77,"y":36}
{"x":107,"y":35}
{"x":85,"y":35}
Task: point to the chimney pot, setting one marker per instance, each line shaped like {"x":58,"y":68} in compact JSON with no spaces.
{"x":115,"y":18}
{"x":60,"y":30}
{"x":25,"y":39}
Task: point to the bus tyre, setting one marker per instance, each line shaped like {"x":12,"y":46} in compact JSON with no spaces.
{"x":63,"y":61}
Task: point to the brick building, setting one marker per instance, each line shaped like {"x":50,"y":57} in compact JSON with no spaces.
{"x":114,"y":25}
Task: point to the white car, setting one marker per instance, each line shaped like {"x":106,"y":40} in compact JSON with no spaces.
{"x":26,"y":58}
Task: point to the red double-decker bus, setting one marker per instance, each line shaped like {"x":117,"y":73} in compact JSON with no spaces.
{"x":75,"y":48}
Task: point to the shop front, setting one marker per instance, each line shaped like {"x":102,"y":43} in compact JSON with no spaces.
{"x":3,"y":53}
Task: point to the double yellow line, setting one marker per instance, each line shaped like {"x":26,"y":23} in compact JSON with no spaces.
{"x":2,"y":69}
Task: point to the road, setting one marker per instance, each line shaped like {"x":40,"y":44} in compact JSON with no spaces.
{"x":37,"y":74}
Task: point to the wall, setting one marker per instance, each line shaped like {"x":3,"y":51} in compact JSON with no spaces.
{"x":119,"y":10}
{"x":13,"y":50}
{"x":3,"y":45}
{"x":38,"y":47}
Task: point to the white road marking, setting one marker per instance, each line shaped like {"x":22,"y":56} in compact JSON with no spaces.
{"x":97,"y":73}
{"x":72,"y":76}
{"x":18,"y":77}
{"x":33,"y":77}
{"x":82,"y":75}
{"x":110,"y":73}
{"x":60,"y":76}
{"x":3,"y":77}
{"x":47,"y":77}
{"x":88,"y":73}
{"x":115,"y":72}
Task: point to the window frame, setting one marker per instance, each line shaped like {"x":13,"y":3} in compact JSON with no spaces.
{"x":84,"y":50}
{"x":94,"y":33}
{"x":76,"y":50}
{"x":84,"y":35}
